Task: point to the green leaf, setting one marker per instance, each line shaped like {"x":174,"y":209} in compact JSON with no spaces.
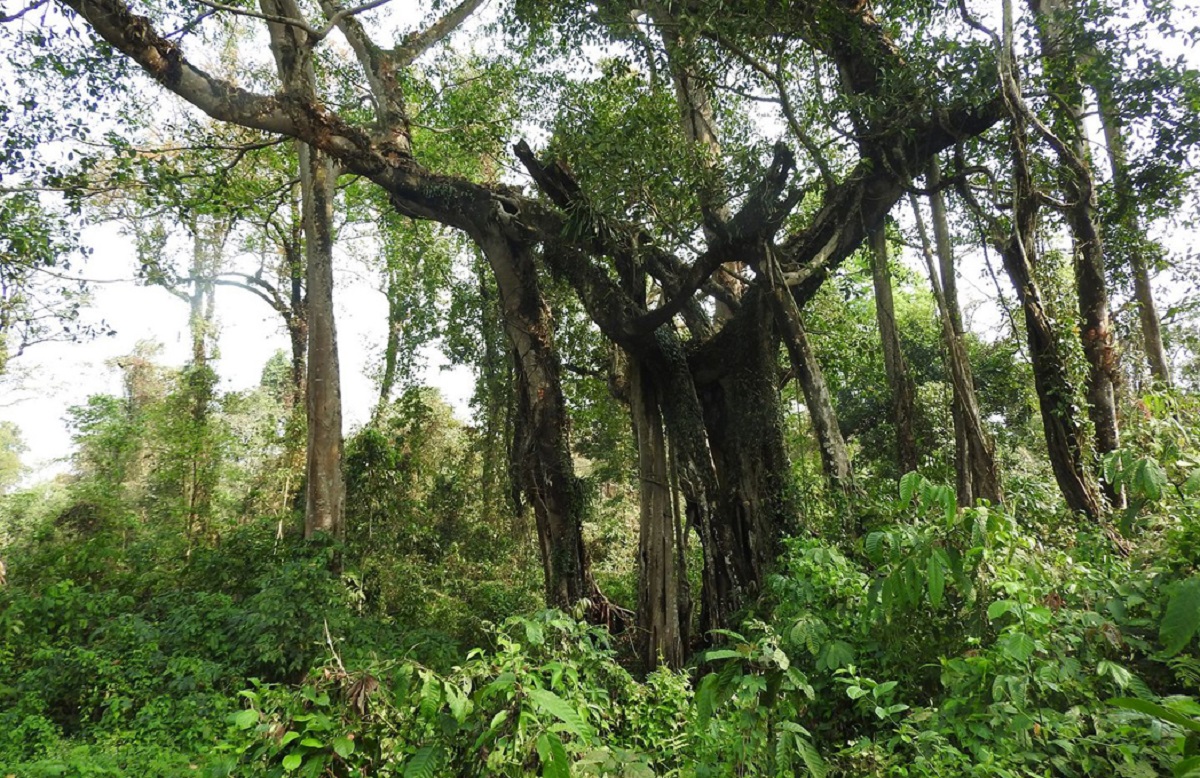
{"x":312,"y":742}
{"x":705,"y":699}
{"x":343,"y":747}
{"x":1018,"y":646}
{"x":936,"y":578}
{"x":812,"y":758}
{"x":855,"y":692}
{"x":909,"y":483}
{"x":245,"y":719}
{"x":1192,"y":484}
{"x":999,"y":608}
{"x":873,"y":545}
{"x":721,"y":653}
{"x":1182,"y":618}
{"x":1157,"y":711}
{"x":292,"y":761}
{"x":560,"y":709}
{"x":1149,"y":479}
{"x":837,"y":654}
{"x":555,"y":763}
{"x":1188,"y":768}
{"x":422,"y":763}
{"x":288,"y":737}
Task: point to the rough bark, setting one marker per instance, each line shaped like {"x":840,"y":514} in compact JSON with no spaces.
{"x":904,"y":409}
{"x":544,"y":454}
{"x":835,"y":456}
{"x":1060,"y":62}
{"x":661,"y":632}
{"x":1056,"y":395}
{"x":324,"y":511}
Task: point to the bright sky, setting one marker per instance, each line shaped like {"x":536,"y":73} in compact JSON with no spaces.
{"x":65,"y":374}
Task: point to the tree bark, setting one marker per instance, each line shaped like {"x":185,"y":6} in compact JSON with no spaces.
{"x":1143,"y":291}
{"x":835,"y":456}
{"x":903,"y":392}
{"x":1060,"y":62}
{"x":325,"y":498}
{"x":975,"y":454}
{"x":1056,"y":395}
{"x":661,"y":630}
{"x":543,"y":449}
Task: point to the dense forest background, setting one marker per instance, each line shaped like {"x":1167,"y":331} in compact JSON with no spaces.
{"x":836,"y":390}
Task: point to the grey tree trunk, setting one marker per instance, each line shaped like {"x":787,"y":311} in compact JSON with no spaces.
{"x":661,"y":631}
{"x":900,"y":382}
{"x":835,"y":456}
{"x":325,"y":498}
{"x":1143,"y":292}
{"x":1056,"y":395}
{"x":542,"y":449}
{"x":324,"y":510}
{"x":975,"y":454}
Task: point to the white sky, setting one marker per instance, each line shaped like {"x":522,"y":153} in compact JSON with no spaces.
{"x":65,"y":374}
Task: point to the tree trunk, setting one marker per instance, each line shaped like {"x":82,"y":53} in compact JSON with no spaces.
{"x":738,"y":465}
{"x":835,"y":456}
{"x":325,"y":499}
{"x":543,"y":452}
{"x":661,"y":630}
{"x":975,"y":453}
{"x":1143,"y":292}
{"x":1062,"y":71}
{"x":1056,"y":395}
{"x":903,"y":392}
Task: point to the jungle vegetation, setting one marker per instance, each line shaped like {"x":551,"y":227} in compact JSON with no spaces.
{"x":836,"y":403}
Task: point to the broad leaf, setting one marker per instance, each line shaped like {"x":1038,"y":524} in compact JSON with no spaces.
{"x":560,"y":709}
{"x":1182,"y":618}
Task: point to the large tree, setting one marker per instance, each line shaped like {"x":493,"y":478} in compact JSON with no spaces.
{"x":689,"y":238}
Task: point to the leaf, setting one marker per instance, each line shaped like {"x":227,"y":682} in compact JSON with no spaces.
{"x":422,"y":763}
{"x":873,"y":545}
{"x":705,"y":699}
{"x":534,"y":633}
{"x":343,"y":747}
{"x":837,"y":654}
{"x":1157,"y":711}
{"x":1149,"y":479}
{"x":812,"y":758}
{"x":999,"y":608}
{"x":855,"y":692}
{"x":909,"y":483}
{"x":936,"y":578}
{"x":1192,"y":484}
{"x":1182,"y":617}
{"x":245,"y":719}
{"x":1018,"y":646}
{"x":555,"y":763}
{"x":292,"y":761}
{"x":1188,"y":768}
{"x":721,"y":653}
{"x":288,"y":737}
{"x":560,"y":709}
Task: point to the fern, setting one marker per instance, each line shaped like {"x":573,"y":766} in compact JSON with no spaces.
{"x":422,"y":763}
